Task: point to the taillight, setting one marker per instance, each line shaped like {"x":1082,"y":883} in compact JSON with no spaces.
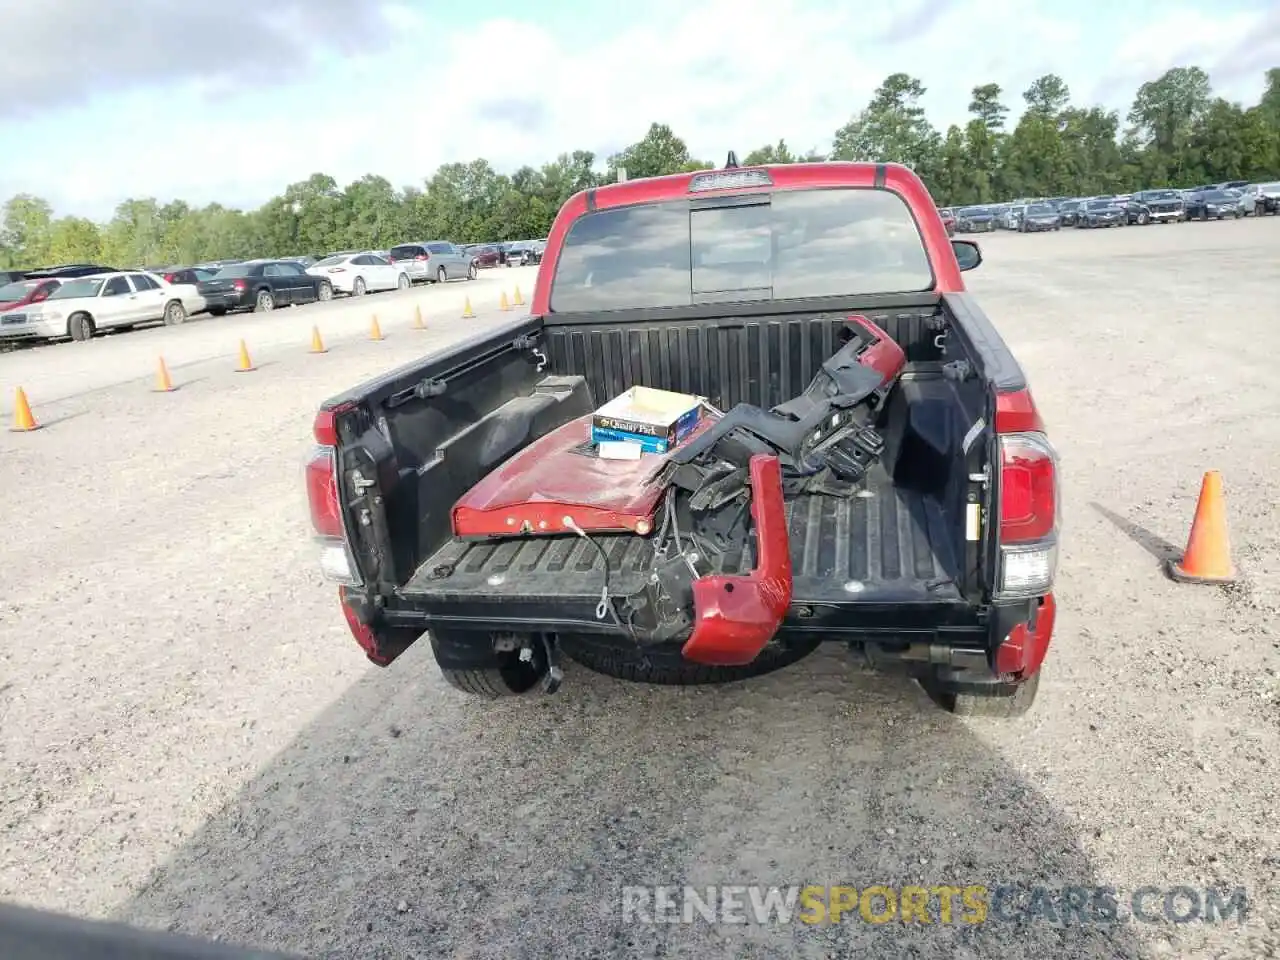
{"x":1028,"y":488}
{"x":168,"y":277}
{"x":423,"y":256}
{"x":324,"y":500}
{"x":322,"y":494}
{"x":239,"y":285}
{"x":1028,"y":495}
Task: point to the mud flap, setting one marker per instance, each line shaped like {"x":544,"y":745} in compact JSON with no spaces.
{"x":736,"y":616}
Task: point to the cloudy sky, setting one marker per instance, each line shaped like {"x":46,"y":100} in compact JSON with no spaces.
{"x":231,"y":101}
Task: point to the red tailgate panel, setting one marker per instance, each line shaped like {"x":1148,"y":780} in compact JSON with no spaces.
{"x":558,"y":476}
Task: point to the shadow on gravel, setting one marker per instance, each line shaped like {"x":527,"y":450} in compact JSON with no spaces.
{"x":410,"y":821}
{"x":1157,"y":546}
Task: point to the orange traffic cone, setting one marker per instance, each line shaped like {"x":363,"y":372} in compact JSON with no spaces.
{"x":417,"y":319}
{"x":1208,"y":555}
{"x":375,"y":331}
{"x":164,"y":384}
{"x":503,"y":303}
{"x":22,"y":418}
{"x":317,"y":345}
{"x":518,"y":300}
{"x":245,"y":364}
{"x":467,"y":312}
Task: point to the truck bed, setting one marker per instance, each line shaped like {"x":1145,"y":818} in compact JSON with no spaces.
{"x":885,"y":545}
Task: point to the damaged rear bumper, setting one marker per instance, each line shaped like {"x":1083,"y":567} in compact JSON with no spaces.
{"x":735,"y":616}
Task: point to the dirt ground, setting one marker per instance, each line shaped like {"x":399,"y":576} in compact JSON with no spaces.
{"x":191,"y":740}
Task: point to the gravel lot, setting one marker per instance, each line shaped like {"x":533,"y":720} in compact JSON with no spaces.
{"x":191,"y":740}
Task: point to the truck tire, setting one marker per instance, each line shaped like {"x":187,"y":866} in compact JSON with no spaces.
{"x":468,"y":666}
{"x":666,"y":667}
{"x":1014,"y":703}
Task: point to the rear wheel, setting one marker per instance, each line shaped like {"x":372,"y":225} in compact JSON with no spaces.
{"x":1143,"y":219}
{"x":1003,"y":701}
{"x":664,"y":665}
{"x":80,"y":327}
{"x":358,"y":288}
{"x":472,"y":272}
{"x":325,"y":292}
{"x":403,"y":282}
{"x":469,"y":662}
{"x":441,"y":275}
{"x":265,"y":302}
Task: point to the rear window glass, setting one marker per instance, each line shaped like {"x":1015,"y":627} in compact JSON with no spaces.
{"x":330,"y":261}
{"x":233,"y":270}
{"x":793,"y":245}
{"x":406,"y":252}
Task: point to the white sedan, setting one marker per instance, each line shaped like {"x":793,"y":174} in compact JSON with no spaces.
{"x":81,"y":307}
{"x":359,"y":273}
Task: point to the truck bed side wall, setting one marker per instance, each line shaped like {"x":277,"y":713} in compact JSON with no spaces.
{"x":427,"y":451}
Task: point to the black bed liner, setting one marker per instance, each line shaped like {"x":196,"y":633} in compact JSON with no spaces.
{"x":886,"y":545}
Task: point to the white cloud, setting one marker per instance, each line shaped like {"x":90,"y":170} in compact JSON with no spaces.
{"x":725,"y":75}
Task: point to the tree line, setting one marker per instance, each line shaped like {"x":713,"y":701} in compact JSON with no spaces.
{"x":1177,"y":133}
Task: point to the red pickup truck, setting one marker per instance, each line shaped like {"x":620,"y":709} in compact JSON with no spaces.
{"x":870,"y":468}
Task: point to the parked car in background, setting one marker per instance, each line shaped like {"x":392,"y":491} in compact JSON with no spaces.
{"x":12,"y":276}
{"x":1212,"y":205}
{"x":1103,"y":212}
{"x":261,"y":286}
{"x":1244,"y":204}
{"x":1265,"y":197}
{"x":356,"y":274}
{"x":1011,"y":217}
{"x":434,"y":261}
{"x":485,"y":254}
{"x":191,"y":275}
{"x":1039,"y":217}
{"x":15,"y":299}
{"x":1069,"y":212}
{"x":948,"y":220}
{"x":1154,"y":206}
{"x":81,"y":306}
{"x":975,"y":220}
{"x":522,"y":253}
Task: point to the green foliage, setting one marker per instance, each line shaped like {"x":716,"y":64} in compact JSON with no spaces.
{"x":1178,"y":134}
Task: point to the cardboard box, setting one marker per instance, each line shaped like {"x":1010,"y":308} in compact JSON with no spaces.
{"x":657,"y":420}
